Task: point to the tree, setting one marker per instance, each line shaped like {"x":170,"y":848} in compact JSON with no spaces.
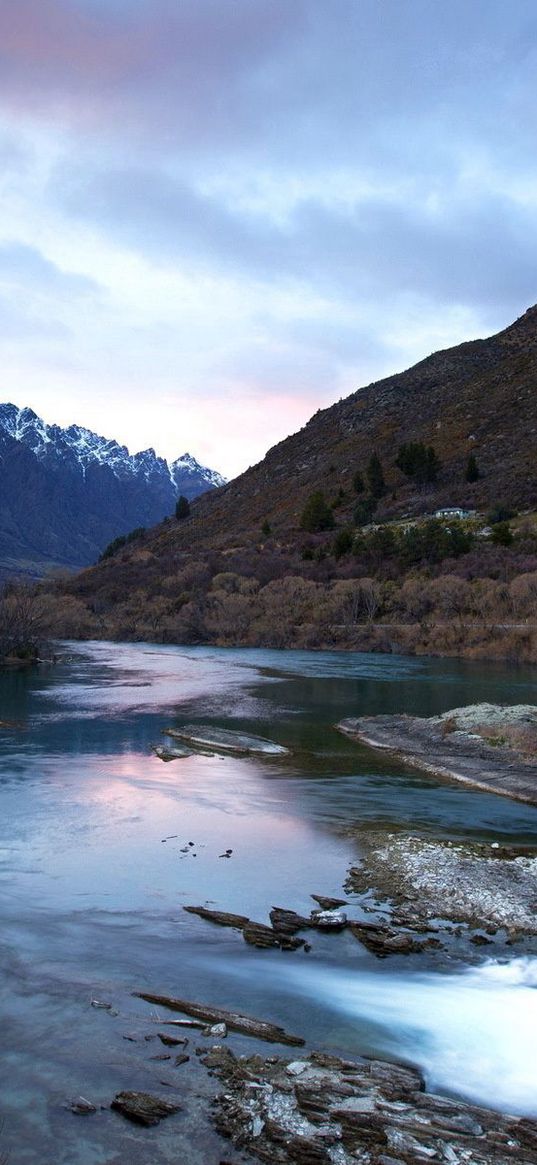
{"x":266,"y":529}
{"x":316,"y":514}
{"x":358,"y":483}
{"x":419,"y":462}
{"x":343,"y":542}
{"x":375,"y":476}
{"x":364,"y":511}
{"x":472,"y":469}
{"x":182,"y":508}
{"x":502,"y":534}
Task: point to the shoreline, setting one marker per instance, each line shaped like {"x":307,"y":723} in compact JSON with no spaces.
{"x":428,"y":744}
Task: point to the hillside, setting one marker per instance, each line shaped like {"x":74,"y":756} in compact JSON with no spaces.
{"x":477,"y":398}
{"x":66,"y":493}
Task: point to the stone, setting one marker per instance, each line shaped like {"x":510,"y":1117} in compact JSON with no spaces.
{"x":329,"y":919}
{"x":143,"y":1108}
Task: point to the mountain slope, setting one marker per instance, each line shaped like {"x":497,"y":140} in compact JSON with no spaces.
{"x":66,"y":493}
{"x":479,"y":397}
{"x":241,"y":569}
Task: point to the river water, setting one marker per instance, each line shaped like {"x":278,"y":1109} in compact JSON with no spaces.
{"x":102,"y":844}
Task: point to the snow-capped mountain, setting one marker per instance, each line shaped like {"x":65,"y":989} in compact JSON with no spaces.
{"x":66,"y":493}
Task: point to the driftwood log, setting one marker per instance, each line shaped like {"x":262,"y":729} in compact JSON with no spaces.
{"x":246,"y":1024}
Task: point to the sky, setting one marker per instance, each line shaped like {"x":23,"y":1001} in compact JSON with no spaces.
{"x":218,"y":216}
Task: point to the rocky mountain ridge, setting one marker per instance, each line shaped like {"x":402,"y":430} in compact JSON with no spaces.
{"x":66,"y":492}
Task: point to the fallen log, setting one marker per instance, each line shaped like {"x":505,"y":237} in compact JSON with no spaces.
{"x":258,"y":1028}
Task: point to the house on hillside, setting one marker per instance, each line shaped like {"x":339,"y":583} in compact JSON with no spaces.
{"x":454,"y":512}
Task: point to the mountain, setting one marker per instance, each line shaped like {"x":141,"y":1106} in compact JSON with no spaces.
{"x":242,"y":569}
{"x":66,"y":493}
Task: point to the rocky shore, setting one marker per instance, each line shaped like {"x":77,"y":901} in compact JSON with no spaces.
{"x":487,"y":746}
{"x":322,"y":1110}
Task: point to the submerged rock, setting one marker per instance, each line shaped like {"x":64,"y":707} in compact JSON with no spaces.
{"x":168,"y":753}
{"x":226,"y":740}
{"x":142,"y":1108}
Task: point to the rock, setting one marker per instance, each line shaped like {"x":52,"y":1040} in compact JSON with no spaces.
{"x":80,"y":1106}
{"x":167,"y":753}
{"x":171,"y":1041}
{"x":329,"y":919}
{"x":226,"y":740}
{"x":328,"y":903}
{"x":142,"y":1108}
{"x":287,"y":921}
{"x":383,"y":940}
{"x":296,"y":1067}
{"x":221,"y":917}
{"x":182,"y":1059}
{"x":259,"y":935}
{"x":218,"y":1030}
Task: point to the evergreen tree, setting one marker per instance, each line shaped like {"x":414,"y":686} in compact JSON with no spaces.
{"x":316,"y":514}
{"x":419,"y":462}
{"x":358,"y":483}
{"x":266,"y":529}
{"x":182,"y":508}
{"x":375,"y":476}
{"x":472,"y":469}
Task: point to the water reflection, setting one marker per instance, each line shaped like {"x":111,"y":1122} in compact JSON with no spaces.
{"x":91,"y":894}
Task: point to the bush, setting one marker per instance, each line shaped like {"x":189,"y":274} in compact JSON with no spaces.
{"x":502,"y":534}
{"x":500,"y":513}
{"x":121,"y":540}
{"x":343,"y":542}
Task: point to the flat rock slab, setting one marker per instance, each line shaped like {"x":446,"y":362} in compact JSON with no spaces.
{"x":142,"y":1108}
{"x":177,"y":752}
{"x":226,"y":740}
{"x":459,"y":755}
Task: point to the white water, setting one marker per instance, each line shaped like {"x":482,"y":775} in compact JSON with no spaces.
{"x":473,"y":1033}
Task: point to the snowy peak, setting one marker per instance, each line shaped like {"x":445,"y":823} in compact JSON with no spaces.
{"x":188,"y":464}
{"x":85,"y":449}
{"x":68,"y":492}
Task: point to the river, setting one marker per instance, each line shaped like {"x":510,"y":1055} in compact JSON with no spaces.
{"x":102,"y":844}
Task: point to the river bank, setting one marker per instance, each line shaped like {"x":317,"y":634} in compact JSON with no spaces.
{"x":482,"y":745}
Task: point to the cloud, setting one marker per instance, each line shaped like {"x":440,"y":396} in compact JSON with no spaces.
{"x":258,"y":200}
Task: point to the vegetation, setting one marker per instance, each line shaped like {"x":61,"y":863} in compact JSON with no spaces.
{"x":22,"y":620}
{"x":472,"y":469}
{"x":358,"y":483}
{"x":182,"y":508}
{"x":375,"y":476}
{"x":121,"y":540}
{"x":418,"y":462}
{"x":317,"y":515}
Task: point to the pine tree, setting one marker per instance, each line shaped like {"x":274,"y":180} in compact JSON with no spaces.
{"x":472,"y":469}
{"x":182,"y":508}
{"x":316,"y":514}
{"x":375,"y":476}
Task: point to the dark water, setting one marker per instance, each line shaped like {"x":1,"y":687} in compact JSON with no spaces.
{"x":91,"y":894}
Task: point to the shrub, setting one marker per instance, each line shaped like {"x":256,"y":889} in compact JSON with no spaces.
{"x":343,"y":542}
